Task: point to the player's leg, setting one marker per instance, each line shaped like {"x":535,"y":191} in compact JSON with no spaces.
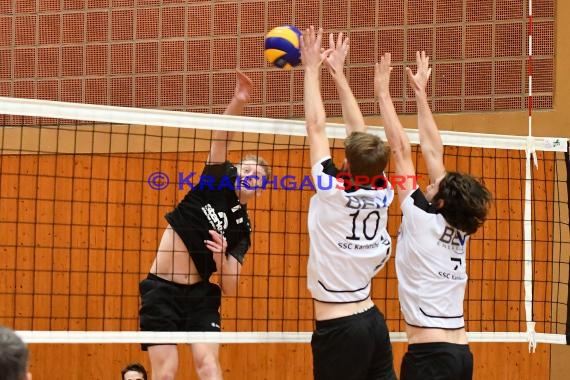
{"x":342,"y":348}
{"x":409,"y":368}
{"x":207,"y":361}
{"x":467,"y":361}
{"x":437,"y":361}
{"x":163,"y":361}
{"x":382,"y":363}
{"x":159,"y":312}
{"x":424,"y":360}
{"x":203,"y":314}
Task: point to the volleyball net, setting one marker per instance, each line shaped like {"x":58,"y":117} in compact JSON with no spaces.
{"x":84,"y":190}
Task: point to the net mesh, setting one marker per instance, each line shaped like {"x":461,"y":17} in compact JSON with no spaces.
{"x":82,"y":205}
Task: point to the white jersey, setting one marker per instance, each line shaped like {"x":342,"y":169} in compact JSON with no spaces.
{"x":431,"y":266}
{"x":349,"y":243}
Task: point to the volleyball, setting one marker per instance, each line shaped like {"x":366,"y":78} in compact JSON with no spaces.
{"x":282,"y":46}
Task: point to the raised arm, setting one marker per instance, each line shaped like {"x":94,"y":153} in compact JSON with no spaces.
{"x":395,"y":134}
{"x":221,"y":139}
{"x":430,"y":140}
{"x":353,"y":119}
{"x":315,"y":117}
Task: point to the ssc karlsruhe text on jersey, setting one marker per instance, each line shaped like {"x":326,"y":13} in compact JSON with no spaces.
{"x":349,"y":243}
{"x":430,"y":265}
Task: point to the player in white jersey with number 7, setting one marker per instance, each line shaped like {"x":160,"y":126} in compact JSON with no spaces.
{"x":431,"y":247}
{"x":347,"y":218}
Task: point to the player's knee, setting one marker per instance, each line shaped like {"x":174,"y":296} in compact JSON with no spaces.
{"x":164,"y":368}
{"x":208,"y":367}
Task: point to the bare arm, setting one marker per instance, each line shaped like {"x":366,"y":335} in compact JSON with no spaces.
{"x":221,"y":139}
{"x":395,"y":134}
{"x":353,"y":119}
{"x":228,"y":267}
{"x":315,"y":117}
{"x":430,"y":139}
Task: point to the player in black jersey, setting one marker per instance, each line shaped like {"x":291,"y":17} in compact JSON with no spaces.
{"x":349,"y":243}
{"x":431,"y":249}
{"x":208,"y":231}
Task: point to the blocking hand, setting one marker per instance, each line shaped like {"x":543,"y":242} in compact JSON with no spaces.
{"x":310,"y":44}
{"x":382,"y":72}
{"x":419,"y":80}
{"x":337,"y":53}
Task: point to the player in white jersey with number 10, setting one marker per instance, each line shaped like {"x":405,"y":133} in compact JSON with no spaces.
{"x":347,"y":230}
{"x":431,"y":247}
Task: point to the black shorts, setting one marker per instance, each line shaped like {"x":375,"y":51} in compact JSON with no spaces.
{"x":355,"y":347}
{"x":437,"y":361}
{"x":168,"y":306}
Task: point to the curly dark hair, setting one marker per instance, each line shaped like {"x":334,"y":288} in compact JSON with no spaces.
{"x":465,"y":203}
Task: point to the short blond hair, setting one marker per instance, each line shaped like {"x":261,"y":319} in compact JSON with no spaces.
{"x":366,"y":154}
{"x":259,"y":161}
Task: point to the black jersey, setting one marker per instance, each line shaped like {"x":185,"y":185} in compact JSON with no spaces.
{"x":212,"y":205}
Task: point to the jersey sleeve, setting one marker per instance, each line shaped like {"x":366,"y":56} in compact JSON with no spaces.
{"x":326,"y":177}
{"x":416,"y":210}
{"x":240,"y":249}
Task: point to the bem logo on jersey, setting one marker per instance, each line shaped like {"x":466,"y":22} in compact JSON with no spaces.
{"x":218,"y":221}
{"x":363,"y":203}
{"x":453,"y":239}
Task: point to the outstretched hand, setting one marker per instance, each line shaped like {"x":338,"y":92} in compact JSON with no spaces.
{"x":244,"y":88}
{"x":310,"y":45}
{"x":337,"y":53}
{"x":382,"y":72}
{"x":419,"y":80}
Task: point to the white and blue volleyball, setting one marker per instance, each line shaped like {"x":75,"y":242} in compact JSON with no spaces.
{"x":282,"y":46}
